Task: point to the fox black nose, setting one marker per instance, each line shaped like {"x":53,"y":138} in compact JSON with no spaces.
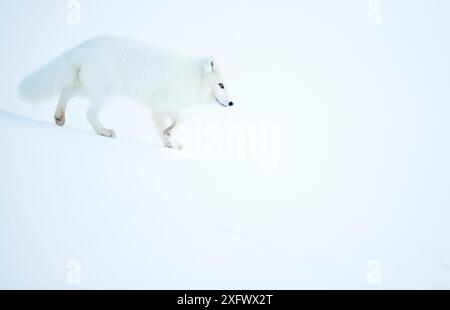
{"x":230,"y":104}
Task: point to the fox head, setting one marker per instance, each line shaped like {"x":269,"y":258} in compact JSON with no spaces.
{"x":216,"y":88}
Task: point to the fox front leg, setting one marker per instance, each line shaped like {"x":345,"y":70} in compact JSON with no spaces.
{"x":168,"y":138}
{"x":167,"y":133}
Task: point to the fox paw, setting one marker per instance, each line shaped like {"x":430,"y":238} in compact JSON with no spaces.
{"x":60,"y":119}
{"x":174,"y":145}
{"x":109,"y":133}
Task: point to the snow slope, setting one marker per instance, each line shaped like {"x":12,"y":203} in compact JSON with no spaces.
{"x":136,"y":216}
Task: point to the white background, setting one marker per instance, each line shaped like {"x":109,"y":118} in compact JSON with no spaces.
{"x":362,"y":178}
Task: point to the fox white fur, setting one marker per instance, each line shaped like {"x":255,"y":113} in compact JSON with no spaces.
{"x":103,"y":67}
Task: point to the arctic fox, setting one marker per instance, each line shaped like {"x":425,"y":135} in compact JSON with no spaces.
{"x":103,"y":67}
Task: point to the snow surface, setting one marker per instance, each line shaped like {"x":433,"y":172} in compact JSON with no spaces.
{"x":355,"y":193}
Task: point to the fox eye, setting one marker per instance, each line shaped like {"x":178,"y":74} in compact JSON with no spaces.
{"x":221,"y":85}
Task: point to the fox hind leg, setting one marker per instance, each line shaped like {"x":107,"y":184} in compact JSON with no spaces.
{"x":93,"y":117}
{"x":60,"y":112}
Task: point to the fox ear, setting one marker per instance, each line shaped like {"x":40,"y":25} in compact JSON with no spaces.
{"x":208,"y":66}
